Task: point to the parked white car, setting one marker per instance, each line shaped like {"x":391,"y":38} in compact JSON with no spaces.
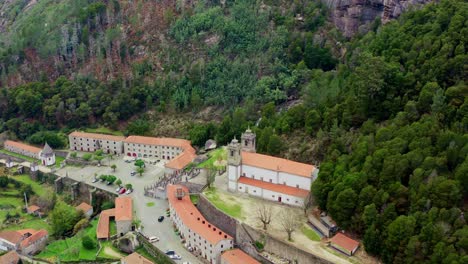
{"x":177,"y":257}
{"x":129,"y":191}
{"x":153,"y":239}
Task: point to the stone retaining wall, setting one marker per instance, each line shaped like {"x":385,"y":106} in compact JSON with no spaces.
{"x":216,"y":217}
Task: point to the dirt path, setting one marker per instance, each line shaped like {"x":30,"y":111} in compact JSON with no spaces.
{"x":110,"y":252}
{"x":301,"y":241}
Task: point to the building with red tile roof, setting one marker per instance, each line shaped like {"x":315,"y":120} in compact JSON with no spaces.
{"x":178,"y":152}
{"x":26,"y":241}
{"x":123,"y":214}
{"x":102,"y":230}
{"x":135,"y":258}
{"x":83,"y":141}
{"x":10,"y":258}
{"x":45,"y":155}
{"x":267,"y":177}
{"x":344,"y":244}
{"x":86,"y":208}
{"x":237,"y":256}
{"x":206,"y":239}
{"x":32,"y":209}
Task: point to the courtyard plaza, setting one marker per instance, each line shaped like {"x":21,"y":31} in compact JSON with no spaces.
{"x":147,"y":209}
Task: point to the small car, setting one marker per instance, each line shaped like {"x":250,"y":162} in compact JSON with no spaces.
{"x":128,"y":161}
{"x":153,"y":239}
{"x":118,"y":189}
{"x":129,"y":191}
{"x":170,"y":252}
{"x":132,"y":173}
{"x":122,"y":191}
{"x":95,"y":180}
{"x":161,"y":218}
{"x":177,"y":257}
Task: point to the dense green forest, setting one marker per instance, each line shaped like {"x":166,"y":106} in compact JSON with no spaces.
{"x":388,"y":120}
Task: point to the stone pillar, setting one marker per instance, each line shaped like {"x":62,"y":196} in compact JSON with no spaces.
{"x":58,"y":185}
{"x":34,"y":171}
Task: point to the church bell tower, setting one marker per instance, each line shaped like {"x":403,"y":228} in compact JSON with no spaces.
{"x":248,"y":139}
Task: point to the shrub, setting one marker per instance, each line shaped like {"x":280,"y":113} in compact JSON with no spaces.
{"x":107,"y":205}
{"x":259,"y":245}
{"x":88,"y":242}
{"x":87,"y":156}
{"x":83,"y":223}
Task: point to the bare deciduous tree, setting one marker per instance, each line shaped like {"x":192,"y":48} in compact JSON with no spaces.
{"x":289,"y":221}
{"x":308,"y":201}
{"x":264,"y":213}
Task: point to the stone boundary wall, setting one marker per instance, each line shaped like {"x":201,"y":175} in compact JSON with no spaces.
{"x":15,"y":159}
{"x":154,"y":251}
{"x":276,"y":246}
{"x":216,"y":217}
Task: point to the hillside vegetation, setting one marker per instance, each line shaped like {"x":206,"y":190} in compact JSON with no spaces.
{"x":385,"y":114}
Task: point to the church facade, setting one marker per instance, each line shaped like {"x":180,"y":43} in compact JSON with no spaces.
{"x":265,"y":176}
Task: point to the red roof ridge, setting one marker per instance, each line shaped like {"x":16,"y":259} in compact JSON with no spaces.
{"x":85,"y":207}
{"x":22,"y":146}
{"x":34,"y":237}
{"x":102,"y":230}
{"x":237,"y":256}
{"x":277,"y":164}
{"x":344,"y":241}
{"x":192,"y":218}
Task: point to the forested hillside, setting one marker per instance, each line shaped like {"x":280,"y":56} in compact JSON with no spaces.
{"x":385,"y":115}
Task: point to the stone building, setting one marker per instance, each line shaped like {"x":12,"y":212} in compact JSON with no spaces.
{"x":45,"y":155}
{"x":25,"y":241}
{"x":86,"y":208}
{"x":268,"y":177}
{"x":123,"y":215}
{"x":90,"y":142}
{"x":178,"y":152}
{"x":206,"y":240}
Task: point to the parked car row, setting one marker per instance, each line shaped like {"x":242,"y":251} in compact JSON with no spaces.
{"x":172,"y":255}
{"x":122,"y":190}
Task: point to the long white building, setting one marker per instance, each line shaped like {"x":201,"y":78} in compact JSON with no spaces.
{"x":45,"y":155}
{"x":90,"y":142}
{"x":267,"y":177}
{"x":206,"y":239}
{"x":177,"y":152}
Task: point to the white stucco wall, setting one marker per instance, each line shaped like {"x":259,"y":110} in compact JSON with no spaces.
{"x":259,"y":173}
{"x":294,"y":180}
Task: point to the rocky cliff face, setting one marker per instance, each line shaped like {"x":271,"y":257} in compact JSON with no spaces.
{"x":356,"y":16}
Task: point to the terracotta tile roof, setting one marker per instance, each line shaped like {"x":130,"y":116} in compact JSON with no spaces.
{"x":33,"y":208}
{"x":274,"y":187}
{"x":192,"y":218}
{"x":13,"y":237}
{"x":237,"y":256}
{"x":173,"y":142}
{"x":102,"y":230}
{"x":10,"y":258}
{"x":35,"y":237}
{"x":22,"y":146}
{"x":84,"y":207}
{"x":277,"y":164}
{"x":181,"y":161}
{"x":96,"y":136}
{"x":123,"y":208}
{"x":345,"y":242}
{"x":136,"y":258}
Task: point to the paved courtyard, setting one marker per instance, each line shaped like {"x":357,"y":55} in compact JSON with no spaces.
{"x":147,"y":213}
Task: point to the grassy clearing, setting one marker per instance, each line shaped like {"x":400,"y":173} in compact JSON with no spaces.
{"x":112,"y":228}
{"x":194,"y":198}
{"x":104,"y":130}
{"x":58,"y":161}
{"x":71,"y":249}
{"x":162,"y":259}
{"x":4,"y":151}
{"x":310,"y":233}
{"x":150,"y":204}
{"x":234,"y":210}
{"x":36,"y":186}
{"x":109,"y":251}
{"x":217,"y":154}
{"x":31,"y":222}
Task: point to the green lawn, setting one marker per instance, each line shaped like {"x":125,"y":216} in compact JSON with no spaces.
{"x":217,"y":154}
{"x":18,"y":155}
{"x":194,"y":198}
{"x":110,"y":247}
{"x":58,"y":161}
{"x":71,"y":249}
{"x":104,"y":130}
{"x":162,"y":259}
{"x":310,"y":233}
{"x":38,"y":188}
{"x":150,"y":204}
{"x":231,"y":209}
{"x":112,"y":228}
{"x":32,"y":222}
